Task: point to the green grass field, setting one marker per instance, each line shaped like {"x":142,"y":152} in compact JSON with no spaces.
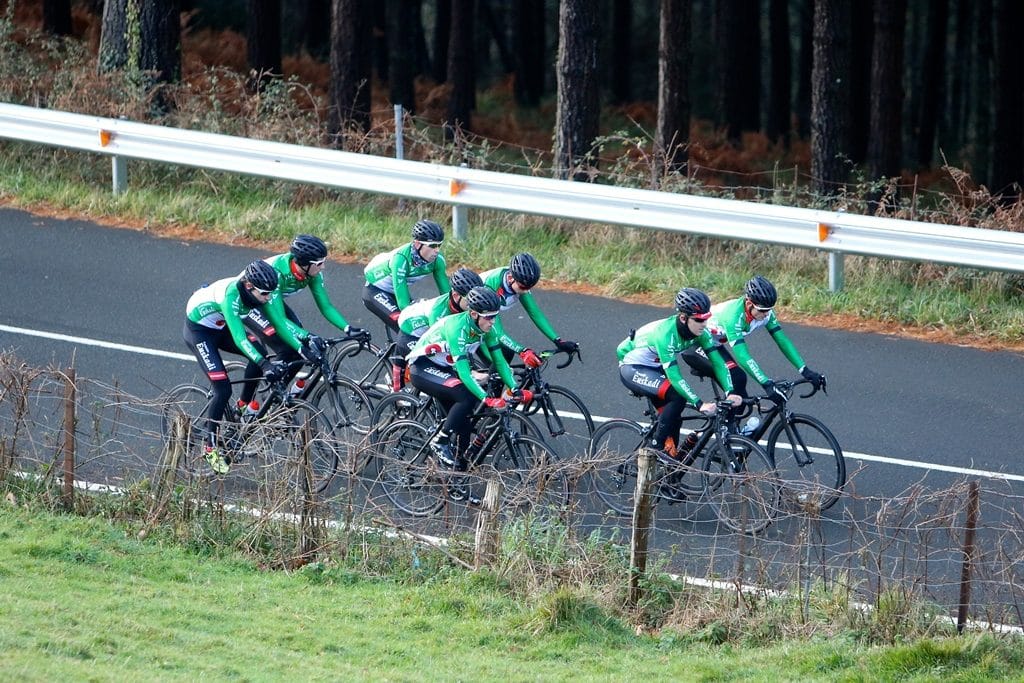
{"x":84,"y":600}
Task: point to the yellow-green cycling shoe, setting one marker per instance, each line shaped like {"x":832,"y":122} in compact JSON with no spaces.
{"x":218,"y":463}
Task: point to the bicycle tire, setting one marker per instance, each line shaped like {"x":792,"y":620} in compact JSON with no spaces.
{"x":348,"y":409}
{"x":572,"y":414}
{"x":813,"y":473}
{"x":285,"y":436}
{"x":533,"y":480}
{"x":402,"y":405}
{"x":613,"y":466}
{"x":365,"y":365}
{"x":745,"y":499}
{"x":406,"y":473}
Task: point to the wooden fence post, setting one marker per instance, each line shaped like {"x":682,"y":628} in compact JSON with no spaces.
{"x":68,"y":496}
{"x":486,"y":545}
{"x":965,"y":571}
{"x":643,"y":517}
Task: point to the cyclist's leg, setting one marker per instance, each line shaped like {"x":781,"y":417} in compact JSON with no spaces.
{"x":698,"y":360}
{"x":206,"y":343}
{"x":403,"y":345}
{"x":649,"y":381}
{"x":383,"y":305}
{"x":458,"y":402}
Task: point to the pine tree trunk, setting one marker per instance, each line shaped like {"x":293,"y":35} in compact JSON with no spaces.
{"x":739,"y":87}
{"x":887,"y":92}
{"x":143,"y":38}
{"x":403,"y":18}
{"x":933,"y":71}
{"x":351,"y":62}
{"x":674,"y":57}
{"x":829,"y":99}
{"x":461,"y":69}
{"x":576,"y":118}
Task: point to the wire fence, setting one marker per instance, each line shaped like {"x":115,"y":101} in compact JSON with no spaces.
{"x":958,"y":551}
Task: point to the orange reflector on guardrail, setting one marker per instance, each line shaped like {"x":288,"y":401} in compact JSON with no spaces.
{"x":105,"y":137}
{"x":823,"y":232}
{"x":455,"y":187}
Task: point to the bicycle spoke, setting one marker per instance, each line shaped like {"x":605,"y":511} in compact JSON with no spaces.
{"x":741,"y":484}
{"x":809,"y":461}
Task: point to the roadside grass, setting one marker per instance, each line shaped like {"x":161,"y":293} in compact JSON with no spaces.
{"x":955,"y":304}
{"x":84,"y":600}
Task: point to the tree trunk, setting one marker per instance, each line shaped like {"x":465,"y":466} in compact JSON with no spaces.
{"x":143,"y":38}
{"x":779,"y":124}
{"x":956,"y":122}
{"x":674,"y":56}
{"x":442,"y":35}
{"x":829,"y":98}
{"x":739,"y":86}
{"x":576,"y":118}
{"x":979,"y":130}
{"x":57,"y":17}
{"x":1008,"y":100}
{"x":933,"y":72}
{"x":351,"y":63}
{"x":622,"y":50}
{"x":461,"y":69}
{"x":404,"y":15}
{"x":887,"y":92}
{"x":263,"y":40}
{"x":528,"y":23}
{"x":805,"y":69}
{"x":862,"y":34}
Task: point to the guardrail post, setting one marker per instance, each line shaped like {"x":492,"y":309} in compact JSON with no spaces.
{"x":835,"y":271}
{"x":119,"y":173}
{"x":399,"y":133}
{"x":460,"y":216}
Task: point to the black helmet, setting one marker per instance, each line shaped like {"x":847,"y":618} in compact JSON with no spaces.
{"x":427,"y":231}
{"x":693,"y":302}
{"x":307,"y":248}
{"x":761,"y":292}
{"x":464,"y":280}
{"x":525,"y":269}
{"x":483,"y":300}
{"x":261,"y":275}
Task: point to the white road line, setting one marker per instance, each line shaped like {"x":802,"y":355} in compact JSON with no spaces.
{"x":967,"y":471}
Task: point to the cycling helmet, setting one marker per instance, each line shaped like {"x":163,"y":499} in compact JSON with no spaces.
{"x":464,"y":280}
{"x":693,"y":302}
{"x":427,"y":231}
{"x":525,"y":269}
{"x":261,"y":275}
{"x":483,"y":300}
{"x":307,"y":248}
{"x":761,"y":292}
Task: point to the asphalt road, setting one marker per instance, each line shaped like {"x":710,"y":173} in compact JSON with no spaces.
{"x":917,"y":403}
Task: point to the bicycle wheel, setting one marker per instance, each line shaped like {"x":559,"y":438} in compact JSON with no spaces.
{"x":366,"y":365}
{"x":809,"y":461}
{"x":187,"y":404}
{"x":403,"y":405}
{"x":406,"y":472}
{"x":612,"y":459}
{"x":563,"y":420}
{"x":533,"y":479}
{"x":740,"y":483}
{"x":299,"y":447}
{"x":348,"y":410}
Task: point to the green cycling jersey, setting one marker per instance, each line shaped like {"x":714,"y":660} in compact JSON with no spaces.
{"x":730,"y":324}
{"x":419,"y":315}
{"x":393,"y":271}
{"x":451,"y":340}
{"x":291,"y":279}
{"x":499,"y":280}
{"x":220,"y":304}
{"x":659,"y":343}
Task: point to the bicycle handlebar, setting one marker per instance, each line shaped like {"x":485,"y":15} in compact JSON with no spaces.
{"x":788,"y":385}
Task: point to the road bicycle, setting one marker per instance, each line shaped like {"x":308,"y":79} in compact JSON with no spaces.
{"x":727,"y":470}
{"x":807,"y":456}
{"x":367,"y":364}
{"x":559,"y":413}
{"x":284,"y":429}
{"x":413,"y":480}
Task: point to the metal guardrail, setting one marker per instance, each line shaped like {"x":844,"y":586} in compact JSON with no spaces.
{"x":833,"y":232}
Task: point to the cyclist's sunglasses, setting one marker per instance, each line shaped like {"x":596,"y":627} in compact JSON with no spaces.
{"x":702,"y":317}
{"x":763,"y":309}
{"x":319,"y":262}
{"x":432,"y":245}
{"x":489,"y":316}
{"x":261,"y":292}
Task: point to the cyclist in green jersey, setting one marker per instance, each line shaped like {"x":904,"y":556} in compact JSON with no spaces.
{"x":440,"y":367}
{"x":389,"y":274}
{"x":731,"y":321}
{"x":420,"y":315}
{"x":513,"y":284}
{"x":299,"y":268}
{"x":648,"y":365}
{"x":213,"y":323}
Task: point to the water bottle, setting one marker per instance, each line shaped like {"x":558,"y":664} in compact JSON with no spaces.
{"x":297,"y":387}
{"x":688,"y":443}
{"x":751,"y":425}
{"x":251,"y":410}
{"x":475,"y":446}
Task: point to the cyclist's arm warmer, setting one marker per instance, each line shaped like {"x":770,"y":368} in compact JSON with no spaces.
{"x":718,"y":365}
{"x":785,"y":345}
{"x":502,"y":336}
{"x":399,"y":273}
{"x":537,"y":316}
{"x":465,"y":372}
{"x":236,"y":327}
{"x":323,"y":302}
{"x":746,"y":361}
{"x":441,"y":275}
{"x":492,"y":345}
